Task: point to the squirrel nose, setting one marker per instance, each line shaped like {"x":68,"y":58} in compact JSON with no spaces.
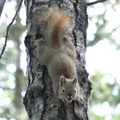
{"x":69,"y":97}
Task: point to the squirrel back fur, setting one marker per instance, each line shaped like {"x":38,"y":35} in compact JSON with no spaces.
{"x":55,"y":25}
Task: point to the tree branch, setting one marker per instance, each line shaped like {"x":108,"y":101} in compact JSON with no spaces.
{"x":8,"y":27}
{"x":95,"y":2}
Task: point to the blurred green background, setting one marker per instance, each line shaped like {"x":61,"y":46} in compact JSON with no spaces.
{"x":102,"y":62}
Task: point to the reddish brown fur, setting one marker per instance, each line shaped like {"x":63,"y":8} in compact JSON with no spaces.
{"x":59,"y":24}
{"x":56,"y":25}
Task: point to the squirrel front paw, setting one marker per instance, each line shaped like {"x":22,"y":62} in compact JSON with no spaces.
{"x":81,"y":101}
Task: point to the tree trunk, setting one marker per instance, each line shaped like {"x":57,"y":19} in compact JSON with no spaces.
{"x":39,"y":100}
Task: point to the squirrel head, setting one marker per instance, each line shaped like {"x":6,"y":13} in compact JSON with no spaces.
{"x":67,"y":89}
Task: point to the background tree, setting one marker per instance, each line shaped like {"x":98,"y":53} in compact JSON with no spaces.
{"x":39,"y":100}
{"x":12,"y":79}
{"x":103,"y":47}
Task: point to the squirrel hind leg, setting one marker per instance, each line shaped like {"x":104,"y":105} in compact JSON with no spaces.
{"x":69,"y":47}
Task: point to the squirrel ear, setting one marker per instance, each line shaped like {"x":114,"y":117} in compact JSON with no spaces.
{"x":62,"y":80}
{"x":75,"y":81}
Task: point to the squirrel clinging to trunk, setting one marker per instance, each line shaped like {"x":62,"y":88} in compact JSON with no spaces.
{"x":58,"y":53}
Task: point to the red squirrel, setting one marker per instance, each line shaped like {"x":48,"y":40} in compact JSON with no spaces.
{"x":58,"y":53}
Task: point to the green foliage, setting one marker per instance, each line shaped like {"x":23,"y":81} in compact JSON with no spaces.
{"x":105,"y":99}
{"x":8,"y":88}
{"x":12,"y":78}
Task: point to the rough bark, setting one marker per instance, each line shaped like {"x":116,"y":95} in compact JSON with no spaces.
{"x":39,"y":100}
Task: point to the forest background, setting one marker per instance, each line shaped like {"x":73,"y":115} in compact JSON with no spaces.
{"x":102,"y":61}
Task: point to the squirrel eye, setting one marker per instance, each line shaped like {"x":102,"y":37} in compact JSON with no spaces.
{"x":75,"y":91}
{"x":63,"y":90}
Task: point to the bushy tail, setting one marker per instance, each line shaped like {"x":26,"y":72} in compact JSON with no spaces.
{"x":55,"y":24}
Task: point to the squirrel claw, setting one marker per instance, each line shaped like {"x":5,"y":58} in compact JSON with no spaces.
{"x":82,"y":102}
